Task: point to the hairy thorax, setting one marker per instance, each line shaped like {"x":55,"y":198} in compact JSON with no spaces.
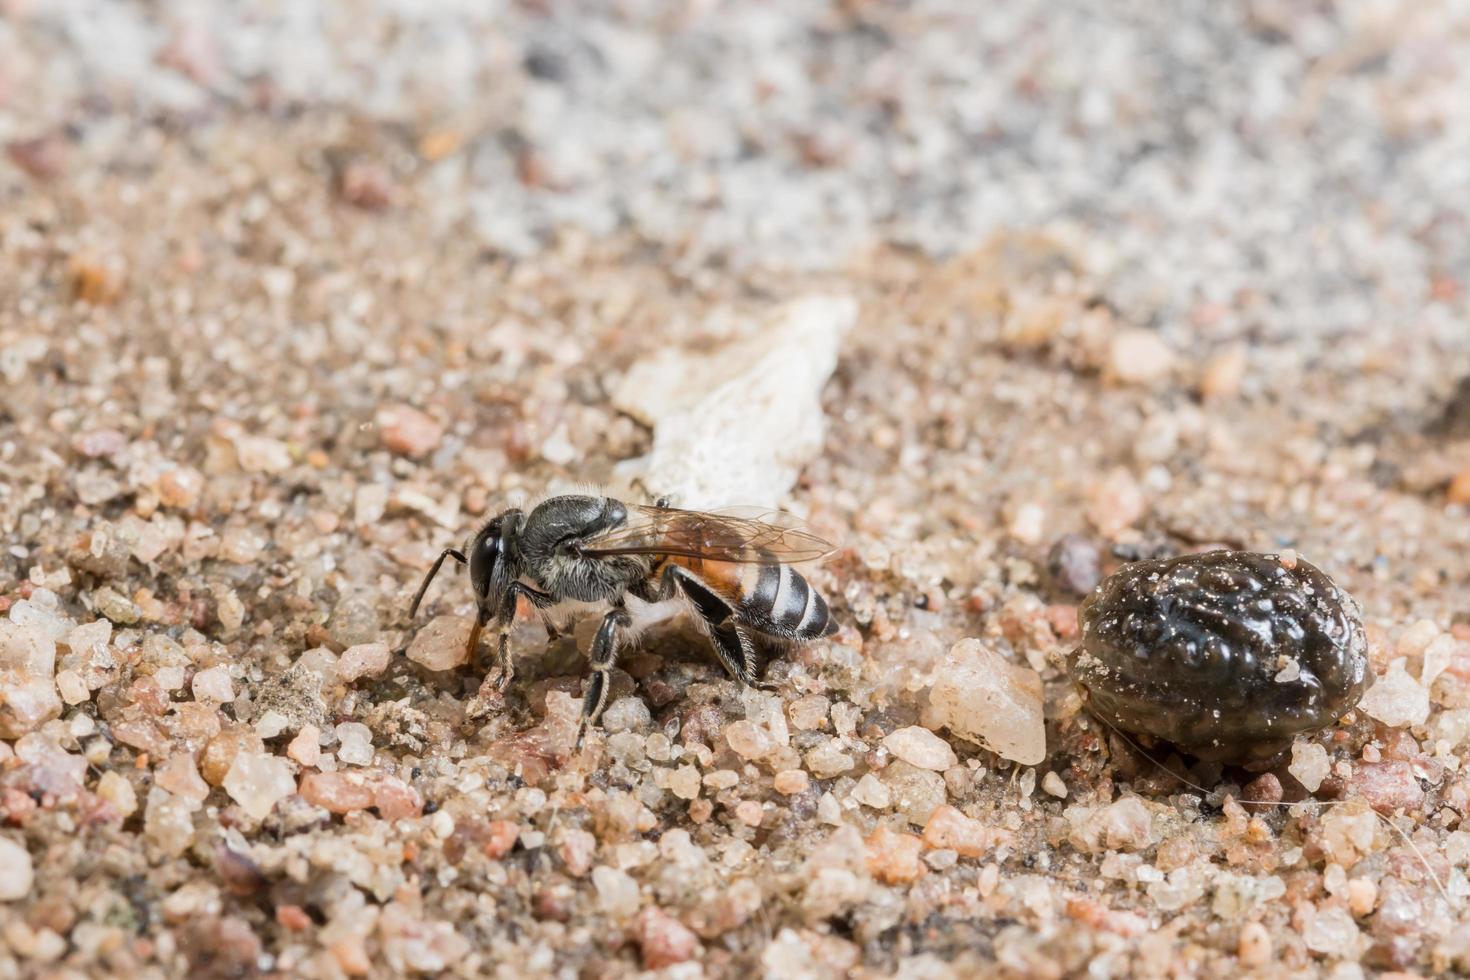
{"x":589,"y":579}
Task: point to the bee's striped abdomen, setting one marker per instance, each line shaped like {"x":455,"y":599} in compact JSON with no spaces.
{"x":777,"y":599}
{"x":771,"y":597}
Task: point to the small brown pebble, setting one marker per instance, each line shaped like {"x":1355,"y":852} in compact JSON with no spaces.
{"x":306,"y":748}
{"x":1459,"y":489}
{"x":180,"y":487}
{"x":220,"y":753}
{"x":1074,"y":564}
{"x":338,"y":792}
{"x":893,"y":858}
{"x":239,"y":874}
{"x":367,"y":185}
{"x":42,"y":158}
{"x":225,"y":947}
{"x":1388,"y":786}
{"x":1265,"y":788}
{"x":439,"y":143}
{"x":1223,"y":373}
{"x":789,"y":782}
{"x":1254,"y":945}
{"x":396,"y":800}
{"x":407,"y":431}
{"x":749,"y":812}
{"x":662,"y":939}
{"x":93,"y":282}
{"x":351,"y":956}
{"x":553,"y":903}
{"x":949,"y":829}
{"x":293,"y":917}
{"x":502,"y":837}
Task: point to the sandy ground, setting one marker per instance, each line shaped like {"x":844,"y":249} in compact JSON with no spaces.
{"x":297,"y":294}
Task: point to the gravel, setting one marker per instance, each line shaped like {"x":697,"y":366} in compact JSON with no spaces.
{"x":299,"y":294}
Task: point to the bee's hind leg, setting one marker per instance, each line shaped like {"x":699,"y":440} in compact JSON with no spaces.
{"x":730,"y":636}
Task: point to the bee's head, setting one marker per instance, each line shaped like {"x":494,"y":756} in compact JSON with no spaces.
{"x":489,"y":554}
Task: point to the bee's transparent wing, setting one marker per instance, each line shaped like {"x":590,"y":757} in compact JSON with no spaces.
{"x":736,"y":534}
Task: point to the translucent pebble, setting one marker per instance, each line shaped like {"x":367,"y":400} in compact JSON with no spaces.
{"x":396,"y":800}
{"x":442,"y":643}
{"x":809,"y":712}
{"x":626,"y":748}
{"x":257,"y":781}
{"x":1309,"y":764}
{"x":1396,"y":700}
{"x":116,"y":789}
{"x":949,"y":829}
{"x":1438,"y":655}
{"x":168,"y":821}
{"x":748,"y":740}
{"x":921,"y":747}
{"x":271,"y":723}
{"x":916,"y":793}
{"x":982,"y":697}
{"x":16,"y":872}
{"x":72,"y":688}
{"x":306,"y":747}
{"x":181,"y":777}
{"x":828,"y":760}
{"x":362,"y":660}
{"x":684,"y":782}
{"x":213,"y":685}
{"x":617,"y":893}
{"x":1349,"y":835}
{"x":89,"y":639}
{"x":355,"y":743}
{"x":626,"y":715}
{"x":1125,"y":825}
{"x":791,"y":781}
{"x":870,"y":791}
{"x":338,"y":792}
{"x":28,"y":696}
{"x":1332,"y":931}
{"x":40,"y":613}
{"x":261,"y":454}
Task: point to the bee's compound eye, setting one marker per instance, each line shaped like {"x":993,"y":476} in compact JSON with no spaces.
{"x":482,"y":561}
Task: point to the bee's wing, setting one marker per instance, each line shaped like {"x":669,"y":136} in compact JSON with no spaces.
{"x":737,"y":534}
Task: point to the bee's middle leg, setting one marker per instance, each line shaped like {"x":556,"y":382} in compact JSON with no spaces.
{"x":604,"y":658}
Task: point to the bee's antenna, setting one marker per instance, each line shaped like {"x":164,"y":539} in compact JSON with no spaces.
{"x":454,"y":553}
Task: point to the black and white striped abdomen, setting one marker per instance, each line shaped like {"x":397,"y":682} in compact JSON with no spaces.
{"x":776,"y":599}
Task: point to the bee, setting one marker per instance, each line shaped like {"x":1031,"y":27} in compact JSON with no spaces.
{"x":733,"y":567}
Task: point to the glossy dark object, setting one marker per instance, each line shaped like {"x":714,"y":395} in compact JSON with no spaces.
{"x":1227,"y":654}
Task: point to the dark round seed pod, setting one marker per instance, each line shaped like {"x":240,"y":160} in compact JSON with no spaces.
{"x":1227,"y":654}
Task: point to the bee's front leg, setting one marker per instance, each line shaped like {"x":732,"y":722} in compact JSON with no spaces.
{"x":505,"y":670}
